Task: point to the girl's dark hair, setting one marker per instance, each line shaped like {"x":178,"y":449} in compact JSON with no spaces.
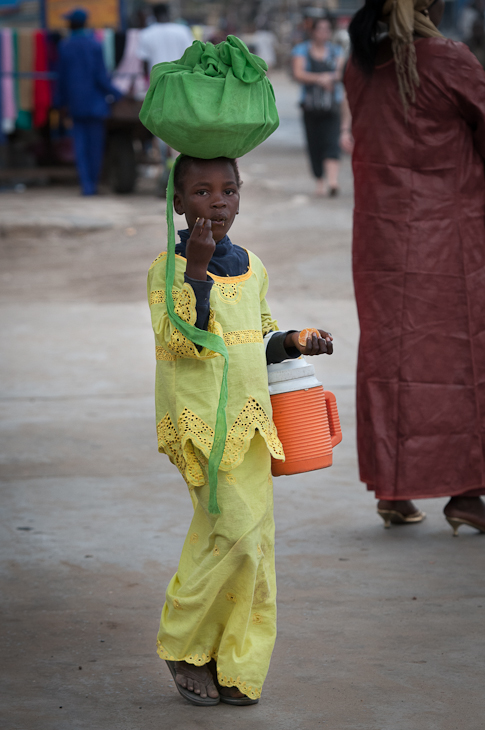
{"x":185,"y":162}
{"x":363,"y":32}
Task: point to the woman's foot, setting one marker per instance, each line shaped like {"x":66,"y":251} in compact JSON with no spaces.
{"x":404,"y":506}
{"x":399,"y":512}
{"x":198,"y":680}
{"x":466,"y":510}
{"x":331,"y":168}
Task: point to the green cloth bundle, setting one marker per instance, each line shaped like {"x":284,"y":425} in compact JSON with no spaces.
{"x":216,"y":101}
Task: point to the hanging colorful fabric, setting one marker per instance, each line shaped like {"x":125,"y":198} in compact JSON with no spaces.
{"x":9,"y":111}
{"x":42,"y":90}
{"x":26,"y":85}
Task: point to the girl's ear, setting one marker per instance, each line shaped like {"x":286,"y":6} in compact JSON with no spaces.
{"x":177,"y":204}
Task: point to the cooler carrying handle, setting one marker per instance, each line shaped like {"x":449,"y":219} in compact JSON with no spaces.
{"x":333,"y":418}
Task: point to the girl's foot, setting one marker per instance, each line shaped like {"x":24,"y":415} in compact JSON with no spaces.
{"x":198,"y":680}
{"x":405,"y":506}
{"x":470,"y":509}
{"x":230,"y":695}
{"x":231,"y":692}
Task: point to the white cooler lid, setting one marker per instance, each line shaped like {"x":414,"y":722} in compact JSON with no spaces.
{"x":291,"y":375}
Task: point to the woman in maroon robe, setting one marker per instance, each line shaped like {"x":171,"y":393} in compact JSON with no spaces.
{"x":417,"y":102}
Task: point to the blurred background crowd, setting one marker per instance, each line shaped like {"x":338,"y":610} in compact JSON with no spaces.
{"x":41,"y":135}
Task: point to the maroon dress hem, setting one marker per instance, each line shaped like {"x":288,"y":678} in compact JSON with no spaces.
{"x":402,"y":496}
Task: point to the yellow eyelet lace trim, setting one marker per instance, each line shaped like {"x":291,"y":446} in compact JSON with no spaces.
{"x":197,"y":659}
{"x":243,"y":337}
{"x":178,"y":443}
{"x":158,"y":296}
{"x":238,"y":337}
{"x":228,"y":291}
{"x":162,"y":354}
{"x":182,"y":347}
{"x":247,"y":689}
{"x":204,"y":658}
{"x":178,"y":343}
{"x":184,"y":458}
{"x":251,"y":417}
{"x":185,"y":304}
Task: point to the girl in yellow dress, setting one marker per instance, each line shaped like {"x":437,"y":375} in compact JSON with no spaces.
{"x":218,"y":623}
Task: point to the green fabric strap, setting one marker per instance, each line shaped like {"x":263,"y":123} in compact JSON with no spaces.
{"x":202,"y":338}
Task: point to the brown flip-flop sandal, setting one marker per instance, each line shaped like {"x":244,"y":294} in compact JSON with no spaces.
{"x":236,"y":700}
{"x":187,"y":694}
{"x":226,"y":698}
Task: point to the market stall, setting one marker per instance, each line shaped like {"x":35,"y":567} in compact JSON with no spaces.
{"x":35,"y":135}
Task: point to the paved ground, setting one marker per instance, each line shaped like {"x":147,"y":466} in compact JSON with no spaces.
{"x":378,"y":630}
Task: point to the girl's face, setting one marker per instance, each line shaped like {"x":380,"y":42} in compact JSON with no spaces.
{"x":209,"y":191}
{"x":322,"y":32}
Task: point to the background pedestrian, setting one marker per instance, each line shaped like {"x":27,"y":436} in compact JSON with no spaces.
{"x":318,"y":66}
{"x":86,"y":92}
{"x":163,"y":41}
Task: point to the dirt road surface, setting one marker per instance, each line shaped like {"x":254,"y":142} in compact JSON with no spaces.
{"x":377,"y":629}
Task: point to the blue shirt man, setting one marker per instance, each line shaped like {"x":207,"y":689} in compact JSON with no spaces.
{"x":86,"y":90}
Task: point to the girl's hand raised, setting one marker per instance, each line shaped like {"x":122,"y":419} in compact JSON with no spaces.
{"x":314,"y":345}
{"x":200,"y":248}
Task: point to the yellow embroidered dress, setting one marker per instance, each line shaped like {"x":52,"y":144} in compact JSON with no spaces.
{"x":221,"y":602}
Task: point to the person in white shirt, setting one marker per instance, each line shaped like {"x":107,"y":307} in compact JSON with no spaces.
{"x":163,"y":41}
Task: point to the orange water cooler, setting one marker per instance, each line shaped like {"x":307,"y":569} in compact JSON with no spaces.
{"x":305,"y":415}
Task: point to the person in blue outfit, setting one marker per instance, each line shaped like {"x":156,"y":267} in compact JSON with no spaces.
{"x":318,"y":66}
{"x":86,"y":91}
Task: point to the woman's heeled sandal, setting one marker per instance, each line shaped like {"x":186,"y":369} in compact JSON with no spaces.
{"x":392,"y":516}
{"x":455,"y":523}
